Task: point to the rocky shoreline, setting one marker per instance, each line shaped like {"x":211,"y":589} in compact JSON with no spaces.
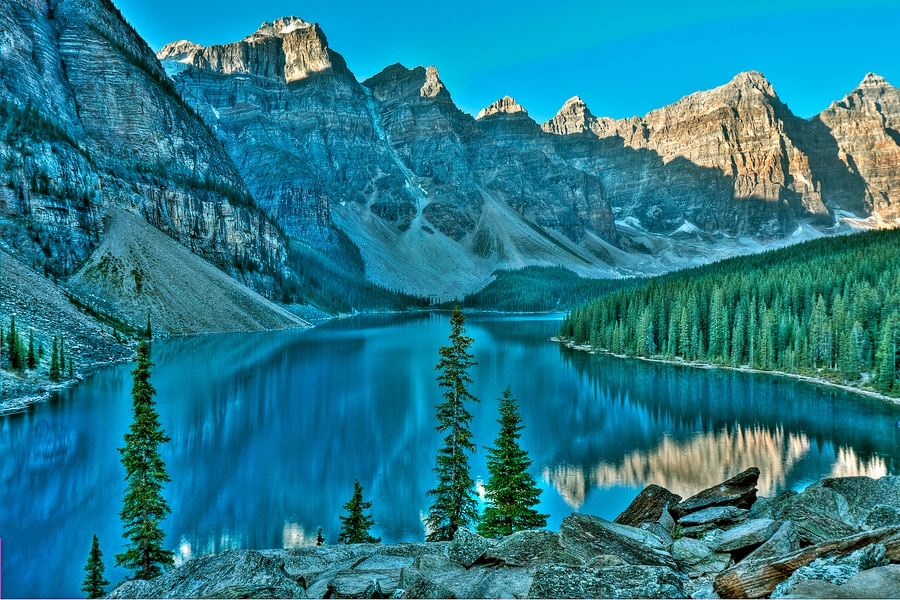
{"x":839,"y":538}
{"x":701,"y":365}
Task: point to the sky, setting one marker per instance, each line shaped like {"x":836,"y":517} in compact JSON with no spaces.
{"x":622,"y":58}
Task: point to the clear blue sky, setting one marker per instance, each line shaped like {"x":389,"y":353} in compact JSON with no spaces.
{"x":622,"y":58}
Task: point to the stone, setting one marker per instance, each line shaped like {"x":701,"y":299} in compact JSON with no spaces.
{"x":814,"y":527}
{"x":835,"y":570}
{"x":751,"y":533}
{"x":879,"y":582}
{"x":716,"y":514}
{"x":883,"y":516}
{"x":530,"y":548}
{"x":696,"y":558}
{"x":758,"y":578}
{"x":864,"y":494}
{"x":632,"y":581}
{"x":648,"y":506}
{"x":229,"y":574}
{"x":587,"y":536}
{"x":355,"y":584}
{"x":467,"y":547}
{"x":739,"y":491}
{"x":783,"y":542}
{"x":659,"y":531}
{"x":504,"y":583}
{"x":415,"y":585}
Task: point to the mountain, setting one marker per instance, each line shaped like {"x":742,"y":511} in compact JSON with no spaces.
{"x":436,"y":201}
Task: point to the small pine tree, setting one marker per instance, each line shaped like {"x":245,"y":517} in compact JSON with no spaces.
{"x":320,"y":541}
{"x":31,"y":360}
{"x":62,"y":354}
{"x":71,"y":369}
{"x":149,"y":332}
{"x":355,"y":526}
{"x":54,"y":361}
{"x":12,"y":344}
{"x":144,"y":506}
{"x":454,"y":503}
{"x":94,"y":581}
{"x":511,"y":491}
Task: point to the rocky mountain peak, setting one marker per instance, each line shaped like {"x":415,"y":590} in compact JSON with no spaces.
{"x":573,"y":117}
{"x":873,"y":81}
{"x":180,"y":51}
{"x":279,"y":27}
{"x":505,"y":105}
{"x":433,"y":84}
{"x":752,"y":80}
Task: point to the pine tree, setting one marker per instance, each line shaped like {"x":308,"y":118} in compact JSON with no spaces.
{"x":144,"y":506}
{"x":54,"y":361}
{"x":62,"y":354}
{"x":94,"y":580}
{"x":454,"y":503}
{"x":12,"y":344}
{"x":355,"y":526}
{"x":148,"y":333}
{"x":511,"y":492}
{"x":320,"y":541}
{"x":31,"y":360}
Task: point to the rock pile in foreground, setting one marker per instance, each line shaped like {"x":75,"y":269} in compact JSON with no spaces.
{"x":836,"y":539}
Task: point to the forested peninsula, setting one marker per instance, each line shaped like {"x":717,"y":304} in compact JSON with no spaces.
{"x":828,"y":308}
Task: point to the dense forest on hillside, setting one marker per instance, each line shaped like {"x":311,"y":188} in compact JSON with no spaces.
{"x":540,"y":289}
{"x":828,"y":307}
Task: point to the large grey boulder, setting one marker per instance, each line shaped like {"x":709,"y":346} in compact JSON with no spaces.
{"x":587,"y":536}
{"x":415,"y":585}
{"x":880,"y":582}
{"x":696,"y":558}
{"x":751,"y":533}
{"x":632,"y":581}
{"x":648,"y":506}
{"x":717,"y":515}
{"x":467,"y":547}
{"x":783,"y":542}
{"x":863,"y":495}
{"x":836,"y":570}
{"x":814,"y":527}
{"x":229,"y":574}
{"x":529,"y":549}
{"x":739,"y":491}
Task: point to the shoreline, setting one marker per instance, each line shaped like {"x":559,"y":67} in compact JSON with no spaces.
{"x":698,"y":365}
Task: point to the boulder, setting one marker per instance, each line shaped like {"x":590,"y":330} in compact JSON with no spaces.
{"x":759,"y":578}
{"x":769,"y":508}
{"x":883,"y":516}
{"x":587,"y":536}
{"x":836,"y":570}
{"x":353,"y":584}
{"x":530,"y":548}
{"x":632,"y":581}
{"x":739,"y":491}
{"x":504,"y":583}
{"x":718,"y":515}
{"x":648,"y":506}
{"x":229,"y":574}
{"x":696,"y":558}
{"x":783,"y":542}
{"x":415,"y":585}
{"x":467,"y":547}
{"x":751,"y":533}
{"x":863,"y":494}
{"x":880,"y":582}
{"x":814,"y":527}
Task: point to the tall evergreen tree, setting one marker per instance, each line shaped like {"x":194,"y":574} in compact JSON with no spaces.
{"x":31,"y":360}
{"x":454,"y":503}
{"x":144,"y":506}
{"x":94,"y":581}
{"x":12,"y":344}
{"x":54,"y":361}
{"x":511,"y":492}
{"x":355,"y":526}
{"x":320,"y":540}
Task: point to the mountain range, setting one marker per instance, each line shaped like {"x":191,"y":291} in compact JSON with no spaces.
{"x":269,"y":159}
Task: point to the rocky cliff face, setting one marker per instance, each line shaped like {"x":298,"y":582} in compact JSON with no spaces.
{"x":434,"y":205}
{"x":96,"y":122}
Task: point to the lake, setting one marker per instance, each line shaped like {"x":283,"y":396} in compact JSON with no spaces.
{"x":269,"y":430}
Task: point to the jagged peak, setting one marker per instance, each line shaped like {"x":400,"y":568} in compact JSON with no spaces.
{"x":279,"y":27}
{"x":433,"y":84}
{"x":505,"y":105}
{"x":753,"y":79}
{"x":573,"y":117}
{"x":180,"y":50}
{"x":572,"y":102}
{"x":873,"y":81}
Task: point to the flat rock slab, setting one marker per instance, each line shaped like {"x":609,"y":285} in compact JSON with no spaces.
{"x":370,"y":584}
{"x":467,"y":547}
{"x":814,"y":527}
{"x":863,"y":494}
{"x":556,"y":581}
{"x":229,"y":574}
{"x":415,"y":585}
{"x":715,"y":514}
{"x":751,"y":533}
{"x":696,"y":558}
{"x":529,"y":549}
{"x":648,"y":506}
{"x":880,"y":582}
{"x":587,"y":536}
{"x":783,"y":542}
{"x":739,"y":491}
